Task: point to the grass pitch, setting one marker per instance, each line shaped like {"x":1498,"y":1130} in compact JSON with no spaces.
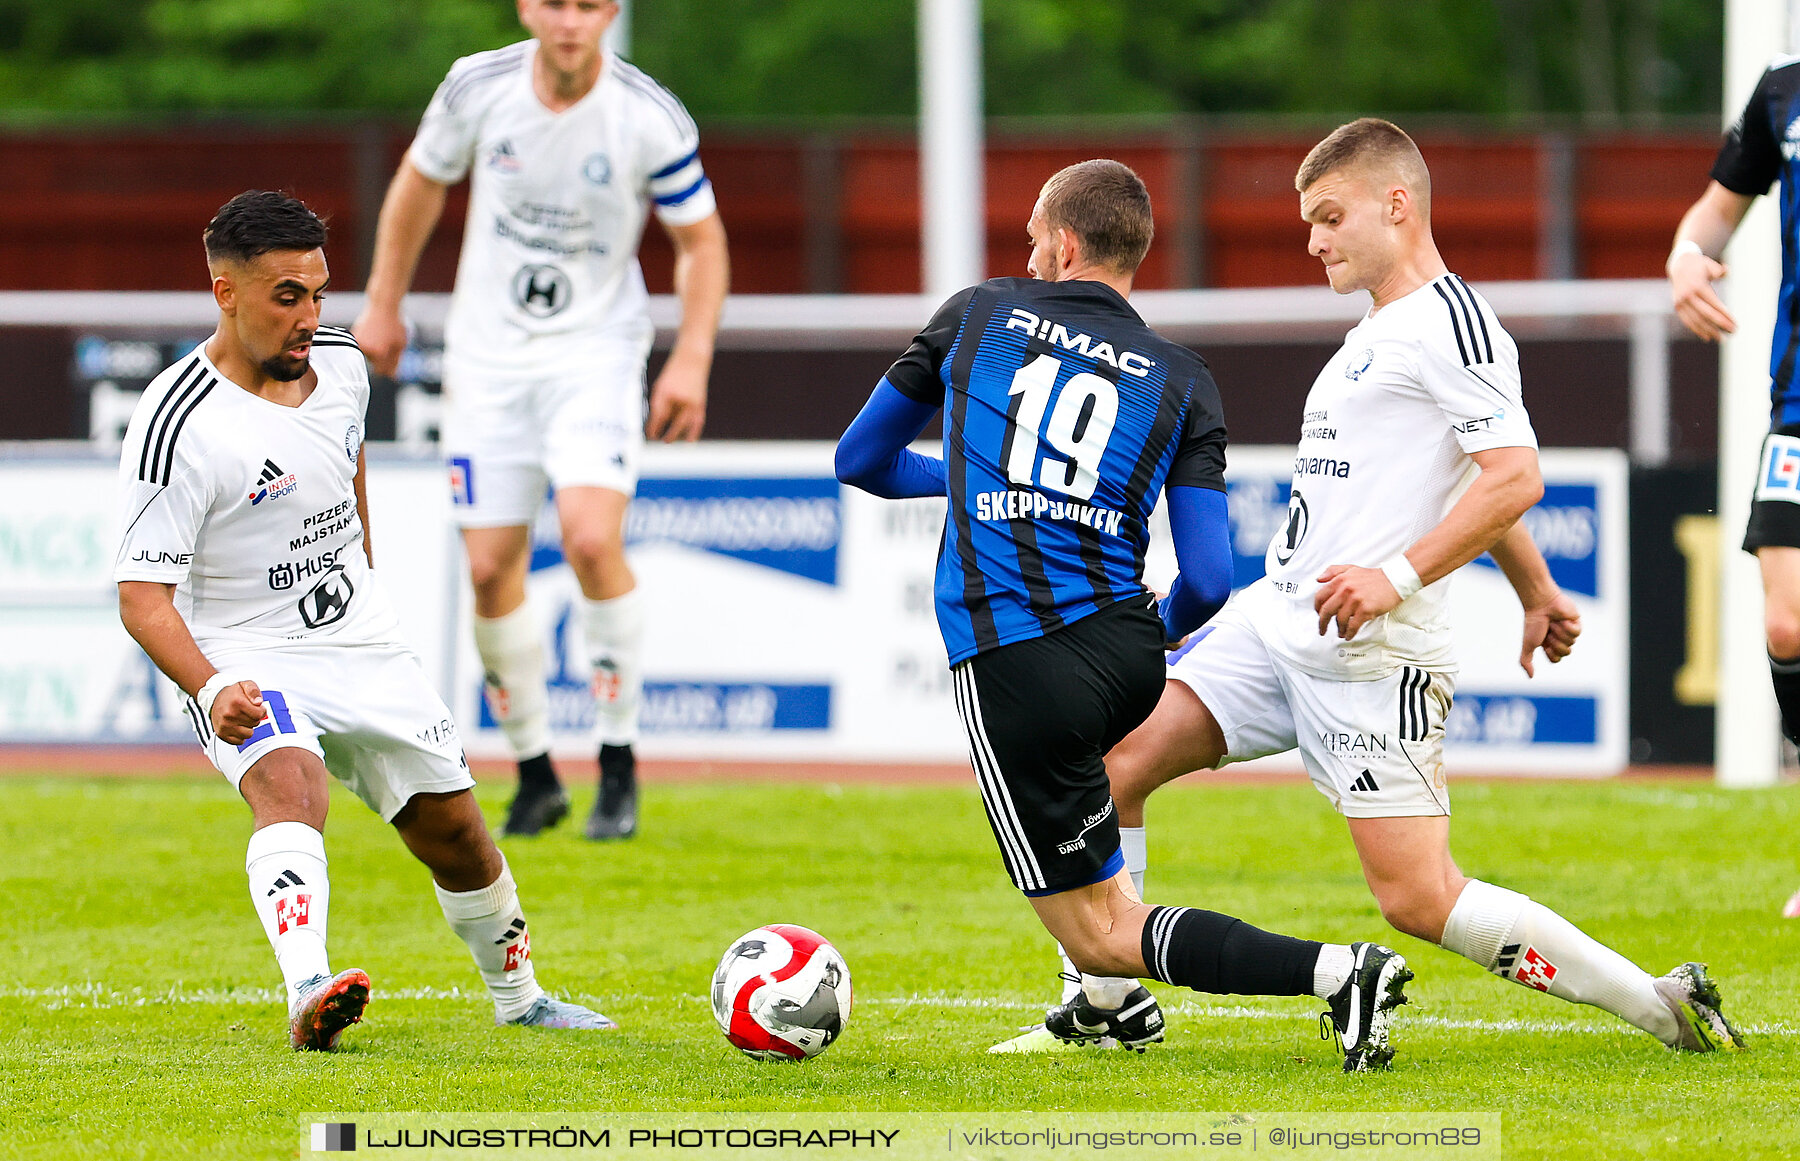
{"x":140,"y":1012}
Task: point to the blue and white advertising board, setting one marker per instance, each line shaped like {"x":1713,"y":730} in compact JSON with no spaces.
{"x":1572,"y":717}
{"x":69,"y":672}
{"x":779,"y":621}
{"x":786,"y":618}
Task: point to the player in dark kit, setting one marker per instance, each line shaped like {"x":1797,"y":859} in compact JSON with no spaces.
{"x":1758,"y":150}
{"x":1065,"y":417}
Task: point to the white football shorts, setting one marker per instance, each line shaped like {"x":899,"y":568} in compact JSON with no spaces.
{"x":506,"y":438}
{"x":368,"y":710}
{"x":1375,"y":748}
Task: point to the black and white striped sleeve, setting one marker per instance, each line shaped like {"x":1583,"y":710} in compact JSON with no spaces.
{"x":1469,"y":366}
{"x":164,"y":489}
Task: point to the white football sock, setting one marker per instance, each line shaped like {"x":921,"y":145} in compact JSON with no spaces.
{"x":1136,"y":850}
{"x":512,"y":663}
{"x":285,"y":862}
{"x":490,"y":922}
{"x":614,"y":632}
{"x":1071,"y":975}
{"x":1101,"y":991}
{"x":1107,"y":991}
{"x":1527,"y":943}
{"x":1336,"y":962}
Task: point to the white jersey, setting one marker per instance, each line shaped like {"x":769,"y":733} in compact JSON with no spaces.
{"x":248,"y":507}
{"x":557,"y":203}
{"x":1384,"y":450}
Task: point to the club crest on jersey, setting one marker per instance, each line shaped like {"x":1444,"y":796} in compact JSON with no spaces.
{"x":502,"y":159}
{"x":352,"y":441}
{"x":1356,"y":367}
{"x":273,"y":484}
{"x":597,"y":169}
{"x":1790,"y":144}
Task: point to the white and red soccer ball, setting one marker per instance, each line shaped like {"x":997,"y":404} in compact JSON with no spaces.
{"x":781,"y":992}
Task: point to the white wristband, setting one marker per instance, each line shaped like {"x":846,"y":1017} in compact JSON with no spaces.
{"x":209,"y":693}
{"x":1683,"y":247}
{"x":1402,"y":575}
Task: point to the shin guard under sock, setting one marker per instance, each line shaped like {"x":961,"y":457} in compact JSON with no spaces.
{"x":1209,"y":952}
{"x":285,"y":862}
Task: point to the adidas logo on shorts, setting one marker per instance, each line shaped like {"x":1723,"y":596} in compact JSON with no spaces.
{"x":1365,"y":782}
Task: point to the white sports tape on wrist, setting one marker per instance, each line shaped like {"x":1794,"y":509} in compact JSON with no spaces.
{"x":1402,"y":575}
{"x":209,"y":693}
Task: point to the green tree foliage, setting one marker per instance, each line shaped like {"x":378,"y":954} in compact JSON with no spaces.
{"x":224,"y":56}
{"x":1597,"y":59}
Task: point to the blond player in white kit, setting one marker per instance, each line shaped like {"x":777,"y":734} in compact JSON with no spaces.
{"x":567,"y":148}
{"x":244,"y":571}
{"x":1416,"y":455}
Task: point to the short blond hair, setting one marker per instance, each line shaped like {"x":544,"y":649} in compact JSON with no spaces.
{"x":1105,"y":204}
{"x":1375,"y":147}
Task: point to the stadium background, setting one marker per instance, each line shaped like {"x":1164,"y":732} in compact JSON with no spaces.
{"x":835,"y":210}
{"x":139,"y":1014}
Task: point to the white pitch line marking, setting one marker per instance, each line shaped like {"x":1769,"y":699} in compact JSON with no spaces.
{"x":98,"y":995}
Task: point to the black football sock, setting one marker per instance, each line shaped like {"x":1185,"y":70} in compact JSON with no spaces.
{"x":537,"y":773}
{"x":1786,"y":676}
{"x":1210,"y":952}
{"x":618,"y":767}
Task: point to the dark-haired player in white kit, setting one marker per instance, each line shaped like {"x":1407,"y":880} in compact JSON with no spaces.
{"x":1415,"y":456}
{"x":244,"y":572}
{"x":567,"y":150}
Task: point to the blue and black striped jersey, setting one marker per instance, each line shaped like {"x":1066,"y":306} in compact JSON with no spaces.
{"x":1762,"y":146}
{"x":1065,"y":417}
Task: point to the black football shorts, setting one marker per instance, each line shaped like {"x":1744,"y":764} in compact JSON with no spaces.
{"x":1041,"y":715}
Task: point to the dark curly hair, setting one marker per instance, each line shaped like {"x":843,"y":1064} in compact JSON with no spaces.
{"x":259,"y":221}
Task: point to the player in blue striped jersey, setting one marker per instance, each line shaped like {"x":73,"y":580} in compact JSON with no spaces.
{"x":1759,"y":150}
{"x":1072,"y":416}
{"x":1066,"y":416}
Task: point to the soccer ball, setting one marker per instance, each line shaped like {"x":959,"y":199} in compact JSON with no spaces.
{"x":781,"y":993}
